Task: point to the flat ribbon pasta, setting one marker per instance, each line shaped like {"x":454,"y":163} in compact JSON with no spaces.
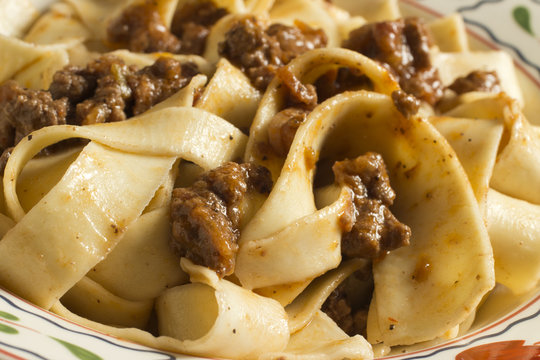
{"x":81,"y":219}
{"x":230,"y":95}
{"x":101,"y":194}
{"x":517,"y":165}
{"x":17,"y":57}
{"x":194,"y":134}
{"x":413,"y":152}
{"x":57,"y":25}
{"x":475,"y":142}
{"x":142,"y":265}
{"x":514,"y":230}
{"x":230,"y":321}
{"x":280,"y":209}
{"x":212,"y":316}
{"x":510,"y":219}
{"x":455,"y":64}
{"x":307,"y":68}
{"x":16,"y":16}
{"x":311,"y":246}
{"x":322,"y":339}
{"x":89,"y":299}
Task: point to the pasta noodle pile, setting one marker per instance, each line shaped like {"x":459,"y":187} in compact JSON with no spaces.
{"x":138,"y":231}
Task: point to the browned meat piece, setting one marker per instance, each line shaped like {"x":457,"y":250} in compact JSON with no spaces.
{"x":192,"y":23}
{"x":140,"y":29}
{"x":402,"y":46}
{"x":478,"y":80}
{"x":300,"y":99}
{"x":106,"y":105}
{"x":155,"y":83}
{"x":340,"y":80}
{"x":371,"y":229}
{"x":406,"y":104}
{"x":283,"y":127}
{"x":299,"y":94}
{"x":201,"y":230}
{"x":296,"y":40}
{"x":106,"y":90}
{"x":348,"y":304}
{"x":247,"y":46}
{"x":339,"y":310}
{"x":259,"y":52}
{"x":73,"y":83}
{"x":205,"y":217}
{"x":23,"y":111}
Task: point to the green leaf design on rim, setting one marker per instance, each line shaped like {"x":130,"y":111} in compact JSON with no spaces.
{"x":8,"y":316}
{"x":8,"y":329}
{"x":523,"y":17}
{"x":78,"y":351}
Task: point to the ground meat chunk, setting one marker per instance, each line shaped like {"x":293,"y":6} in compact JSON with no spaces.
{"x":406,"y":104}
{"x":155,"y":83}
{"x":192,"y":23}
{"x":340,"y":80}
{"x":486,"y":81}
{"x":296,"y":40}
{"x":140,"y":28}
{"x":282,"y":129}
{"x":205,"y":217}
{"x":106,"y":90}
{"x":259,"y":52}
{"x":108,"y":103}
{"x":402,"y":46}
{"x":298,"y":94}
{"x":73,"y":83}
{"x":370,"y":229}
{"x":23,"y":111}
{"x":348,"y":304}
{"x":300,"y":100}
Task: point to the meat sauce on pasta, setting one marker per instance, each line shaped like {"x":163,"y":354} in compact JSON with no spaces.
{"x":262,"y":179}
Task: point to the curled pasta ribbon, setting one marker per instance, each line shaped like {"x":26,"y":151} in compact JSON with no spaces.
{"x":293,"y":173}
{"x":194,"y":134}
{"x":142,"y":265}
{"x":35,"y":64}
{"x":81,"y":220}
{"x":307,"y":68}
{"x":236,"y":323}
{"x":501,"y":158}
{"x":413,"y":151}
{"x":208,"y":317}
{"x":475,"y":142}
{"x":102,"y":193}
{"x":91,"y":300}
{"x":230,"y":95}
{"x":313,"y":334}
{"x":96,"y":15}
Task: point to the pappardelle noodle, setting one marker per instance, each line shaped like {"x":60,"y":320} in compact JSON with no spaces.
{"x":262,"y":179}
